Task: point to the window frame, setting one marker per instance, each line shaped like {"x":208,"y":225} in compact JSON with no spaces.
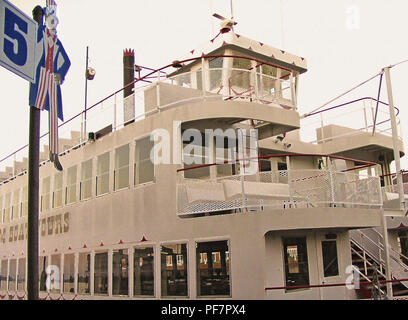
{"x":137,"y":160}
{"x":117,"y":169}
{"x":188,"y":267}
{"x":285,"y":244}
{"x":204,"y":256}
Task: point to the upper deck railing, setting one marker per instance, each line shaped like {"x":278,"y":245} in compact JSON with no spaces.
{"x":277,"y":189}
{"x":356,"y":117}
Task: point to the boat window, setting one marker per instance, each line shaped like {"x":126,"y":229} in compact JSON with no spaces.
{"x":403,"y":245}
{"x":84,"y":263}
{"x":213,"y":268}
{"x":101,"y":273}
{"x":266,"y":165}
{"x":120,"y":272}
{"x":121,"y":173}
{"x":330,"y":259}
{"x":6,"y":208}
{"x":267,"y":81}
{"x":45,"y":194}
{"x":2,"y":209}
{"x":69,"y":273}
{"x":12,"y":275}
{"x":199,"y":79}
{"x":3,"y":275}
{"x":14,"y":210}
{"x":55,"y":273}
{"x":43,"y":263}
{"x":174,"y":270}
{"x":296,"y":261}
{"x":85,"y":184}
{"x":144,"y":167}
{"x":143,"y":271}
{"x":226,"y":151}
{"x":215,"y":73}
{"x":102,"y":174}
{"x":239,"y":82}
{"x":195,"y":153}
{"x":57,"y":193}
{"x":70,"y":190}
{"x":24,"y":202}
{"x":21,"y":274}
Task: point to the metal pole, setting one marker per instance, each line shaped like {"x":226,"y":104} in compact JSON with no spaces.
{"x":86,"y":91}
{"x":395,"y":141}
{"x":387,"y":256}
{"x":33,"y":201}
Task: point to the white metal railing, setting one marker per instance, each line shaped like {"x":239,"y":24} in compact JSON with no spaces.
{"x":356,"y":119}
{"x":277,"y":189}
{"x":394,"y":188}
{"x":371,"y":242}
{"x":235,"y":84}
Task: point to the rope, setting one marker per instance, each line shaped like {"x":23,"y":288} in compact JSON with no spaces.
{"x":343,"y":94}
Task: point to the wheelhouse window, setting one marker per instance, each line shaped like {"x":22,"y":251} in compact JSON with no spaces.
{"x":84,"y":264}
{"x":174,"y":270}
{"x":3,"y":275}
{"x":143,"y":265}
{"x":213,"y":275}
{"x":102,"y":174}
{"x":144,"y":167}
{"x":21,"y":274}
{"x":239,"y":82}
{"x":330,"y":258}
{"x":101,"y":273}
{"x":12,"y":275}
{"x":57,"y":192}
{"x":121,"y":173}
{"x":71,"y":188}
{"x":86,"y":180}
{"x":215,"y":72}
{"x":120,"y":272}
{"x":69,"y":273}
{"x":45,"y":194}
{"x":296,"y":261}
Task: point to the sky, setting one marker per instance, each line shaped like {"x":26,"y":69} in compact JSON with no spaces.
{"x":345,"y":42}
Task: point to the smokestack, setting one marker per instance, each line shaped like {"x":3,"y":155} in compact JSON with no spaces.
{"x":128,"y":77}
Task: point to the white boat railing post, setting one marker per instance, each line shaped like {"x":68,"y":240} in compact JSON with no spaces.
{"x":114,"y":113}
{"x":395,"y":140}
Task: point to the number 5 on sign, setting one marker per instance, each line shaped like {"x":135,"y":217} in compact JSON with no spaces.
{"x":18,"y":34}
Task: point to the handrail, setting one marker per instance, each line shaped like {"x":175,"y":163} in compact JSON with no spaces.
{"x":366,"y":163}
{"x":381,"y":247}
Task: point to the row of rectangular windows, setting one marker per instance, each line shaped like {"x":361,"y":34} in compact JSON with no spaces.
{"x":14,"y":205}
{"x":138,"y":263}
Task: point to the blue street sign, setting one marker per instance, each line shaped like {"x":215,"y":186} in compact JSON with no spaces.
{"x":17,"y":41}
